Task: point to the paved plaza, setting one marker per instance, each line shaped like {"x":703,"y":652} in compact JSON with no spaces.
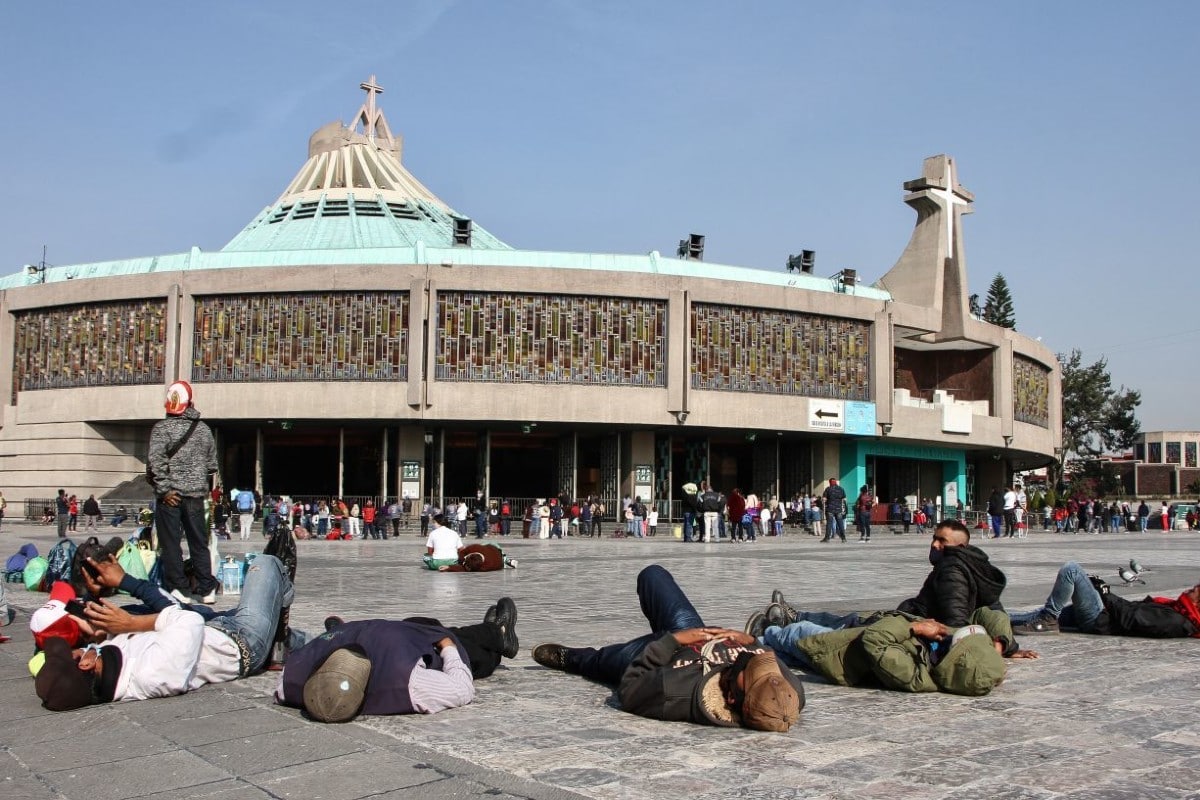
{"x":1095,"y":717}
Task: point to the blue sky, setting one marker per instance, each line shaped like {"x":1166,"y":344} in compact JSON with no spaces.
{"x":143,"y":128}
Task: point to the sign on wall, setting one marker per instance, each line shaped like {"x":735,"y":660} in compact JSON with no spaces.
{"x":410,"y":479}
{"x":643,"y":481}
{"x":860,"y":418}
{"x":827,"y":415}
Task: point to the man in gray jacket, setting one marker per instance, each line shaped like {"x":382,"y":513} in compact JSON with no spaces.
{"x":182,"y":458}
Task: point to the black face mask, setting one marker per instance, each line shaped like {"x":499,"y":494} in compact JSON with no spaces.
{"x":935,"y":555}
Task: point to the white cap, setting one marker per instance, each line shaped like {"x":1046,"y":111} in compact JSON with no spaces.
{"x":965,"y":631}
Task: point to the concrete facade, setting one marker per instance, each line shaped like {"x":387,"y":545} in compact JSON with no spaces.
{"x":941,"y":384}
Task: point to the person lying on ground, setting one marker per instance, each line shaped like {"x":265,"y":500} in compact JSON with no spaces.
{"x":1084,"y":603}
{"x":962,"y":580}
{"x":684,"y":670}
{"x":379,"y":666}
{"x":480,"y":558}
{"x":169,"y":651}
{"x":900,"y":652}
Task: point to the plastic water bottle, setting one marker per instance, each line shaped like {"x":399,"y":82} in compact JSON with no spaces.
{"x":231,"y":577}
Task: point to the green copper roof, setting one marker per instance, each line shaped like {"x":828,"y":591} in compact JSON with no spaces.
{"x":351,"y":221}
{"x":448,"y":257}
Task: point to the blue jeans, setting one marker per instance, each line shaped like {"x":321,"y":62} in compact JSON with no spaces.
{"x":1073,"y":600}
{"x":783,"y":640}
{"x":267,"y":591}
{"x":997,"y":520}
{"x":174,"y":523}
{"x":837,"y":526}
{"x":634,"y":527}
{"x":689,"y":525}
{"x":665,"y":607}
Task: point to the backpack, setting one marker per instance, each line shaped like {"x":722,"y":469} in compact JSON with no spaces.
{"x":245,"y":502}
{"x":59,"y":561}
{"x":556,"y":512}
{"x":17,"y":561}
{"x":506,"y":510}
{"x":35,"y":574}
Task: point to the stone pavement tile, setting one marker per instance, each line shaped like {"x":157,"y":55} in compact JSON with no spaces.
{"x":18,"y":783}
{"x":996,"y":789}
{"x":361,"y":774}
{"x":1179,"y":774}
{"x":51,"y":727}
{"x":1124,"y":790}
{"x":229,"y":789}
{"x":265,"y":753}
{"x":236,"y":727}
{"x":90,"y":749}
{"x":136,"y":776}
{"x":178,"y":713}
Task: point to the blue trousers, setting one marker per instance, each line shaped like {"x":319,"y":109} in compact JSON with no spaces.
{"x":665,"y":607}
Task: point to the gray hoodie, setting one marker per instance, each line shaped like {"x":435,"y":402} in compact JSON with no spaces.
{"x":187,"y":471}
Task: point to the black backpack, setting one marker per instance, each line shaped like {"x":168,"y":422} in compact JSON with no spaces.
{"x":59,"y":562}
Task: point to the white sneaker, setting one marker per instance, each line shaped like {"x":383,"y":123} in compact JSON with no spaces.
{"x":512,"y":562}
{"x":209,"y":598}
{"x":183,"y":598}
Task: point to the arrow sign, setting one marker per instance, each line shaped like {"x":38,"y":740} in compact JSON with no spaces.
{"x":826,"y":415}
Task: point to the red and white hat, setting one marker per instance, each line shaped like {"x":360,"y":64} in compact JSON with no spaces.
{"x":52,"y":619}
{"x":179,"y":397}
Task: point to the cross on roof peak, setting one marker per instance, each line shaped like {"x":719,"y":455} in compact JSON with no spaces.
{"x":370,"y":116}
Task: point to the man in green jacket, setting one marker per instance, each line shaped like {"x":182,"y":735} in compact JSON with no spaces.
{"x":904,"y":653}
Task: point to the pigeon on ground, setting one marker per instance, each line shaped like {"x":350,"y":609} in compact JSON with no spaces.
{"x":1137,"y":568}
{"x":1129,"y":576}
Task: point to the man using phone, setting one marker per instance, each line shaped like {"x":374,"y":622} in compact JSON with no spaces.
{"x":169,"y":651}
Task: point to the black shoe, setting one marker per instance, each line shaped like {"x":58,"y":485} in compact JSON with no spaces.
{"x":551,"y":656}
{"x":778,"y":616}
{"x":1042,"y":623}
{"x":489,"y":618}
{"x":332,"y":622}
{"x":757,"y":624}
{"x":506,"y":619}
{"x":790,"y":614}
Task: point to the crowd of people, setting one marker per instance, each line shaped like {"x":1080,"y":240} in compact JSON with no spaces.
{"x":954,"y":635}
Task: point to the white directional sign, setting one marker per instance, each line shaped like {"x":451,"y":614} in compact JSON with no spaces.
{"x":827,"y":415}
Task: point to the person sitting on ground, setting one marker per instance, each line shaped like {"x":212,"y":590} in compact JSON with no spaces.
{"x":1084,"y":603}
{"x":412,"y":666}
{"x":48,"y":517}
{"x":903,"y":653}
{"x":443,"y":545}
{"x":961,"y":581}
{"x":480,"y":558}
{"x":119,"y":517}
{"x":685,"y":671}
{"x":171,"y":650}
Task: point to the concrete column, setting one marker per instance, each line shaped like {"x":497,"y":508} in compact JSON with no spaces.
{"x":383,"y":468}
{"x":678,"y":352}
{"x":341,"y":461}
{"x":883,"y":367}
{"x":258,"y":460}
{"x":174,"y":366}
{"x":417,"y":345}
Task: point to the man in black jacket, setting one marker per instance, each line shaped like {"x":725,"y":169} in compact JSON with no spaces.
{"x":683,"y":671}
{"x":962,"y":580}
{"x":1083,"y":602}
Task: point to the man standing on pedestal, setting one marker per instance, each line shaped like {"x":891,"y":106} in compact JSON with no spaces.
{"x":182,"y":458}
